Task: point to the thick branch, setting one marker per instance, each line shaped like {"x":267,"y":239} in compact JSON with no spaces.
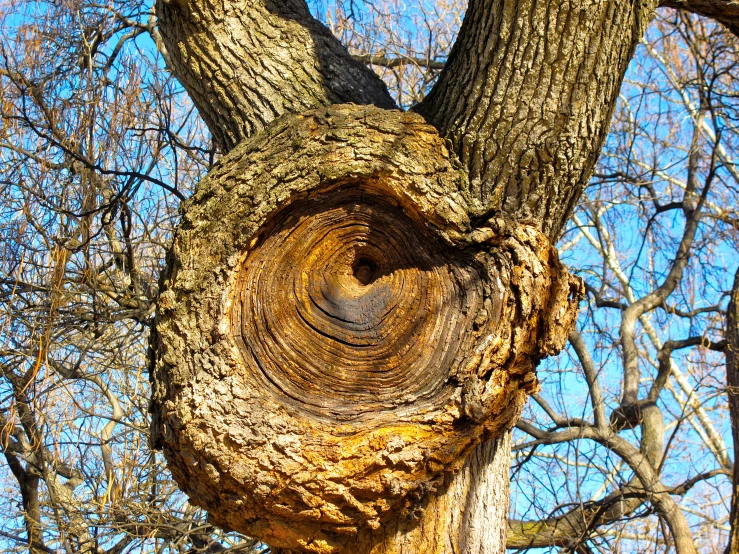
{"x":579,"y":523}
{"x":576,"y":525}
{"x":642,"y":462}
{"x":526,"y":98}
{"x":246,"y":62}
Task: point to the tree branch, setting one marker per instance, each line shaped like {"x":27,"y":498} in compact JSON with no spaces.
{"x":669,"y":284}
{"x":641,"y":464}
{"x":526,"y":98}
{"x":591,"y":376}
{"x":398,"y":61}
{"x":576,"y":524}
{"x":732,"y":389}
{"x":723,"y":11}
{"x":246,"y":62}
{"x":579,"y":523}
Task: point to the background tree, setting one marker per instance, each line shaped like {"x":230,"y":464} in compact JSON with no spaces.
{"x":68,"y":389}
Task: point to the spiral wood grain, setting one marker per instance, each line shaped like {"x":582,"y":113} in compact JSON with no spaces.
{"x":349,"y":308}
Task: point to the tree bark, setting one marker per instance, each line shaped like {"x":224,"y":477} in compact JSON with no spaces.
{"x":723,"y":11}
{"x":352,"y":314}
{"x":525,"y":99}
{"x":527,"y":95}
{"x":356,"y":335}
{"x":467,"y":514}
{"x":247,"y":62}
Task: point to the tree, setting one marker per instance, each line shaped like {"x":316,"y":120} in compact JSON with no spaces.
{"x":449,"y":273}
{"x":316,"y":483}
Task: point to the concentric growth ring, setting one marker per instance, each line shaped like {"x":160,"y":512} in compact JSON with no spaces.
{"x":347,"y":308}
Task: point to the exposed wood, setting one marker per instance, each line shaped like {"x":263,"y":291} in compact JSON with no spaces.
{"x":335,"y":335}
{"x":350,"y":310}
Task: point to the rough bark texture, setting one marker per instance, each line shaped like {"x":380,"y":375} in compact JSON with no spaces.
{"x":732,"y":389}
{"x":335,"y":335}
{"x":527,"y":96}
{"x":246,"y":62}
{"x":466,"y":514}
{"x":350,"y":309}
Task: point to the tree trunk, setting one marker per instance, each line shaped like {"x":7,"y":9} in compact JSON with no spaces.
{"x":467,"y":514}
{"x":356,"y":299}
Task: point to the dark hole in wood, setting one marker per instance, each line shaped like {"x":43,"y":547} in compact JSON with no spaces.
{"x":365,"y":271}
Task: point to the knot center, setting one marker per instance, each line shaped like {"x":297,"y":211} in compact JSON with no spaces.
{"x":364,"y":271}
